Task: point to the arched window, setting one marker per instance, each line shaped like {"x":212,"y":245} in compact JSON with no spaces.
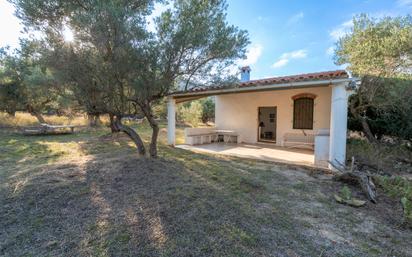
{"x":303,"y":105}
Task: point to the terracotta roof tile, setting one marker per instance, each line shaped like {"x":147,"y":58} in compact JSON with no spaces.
{"x":325,"y":75}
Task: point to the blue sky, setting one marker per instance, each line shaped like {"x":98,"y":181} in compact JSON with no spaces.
{"x":297,"y":36}
{"x":287,"y":37}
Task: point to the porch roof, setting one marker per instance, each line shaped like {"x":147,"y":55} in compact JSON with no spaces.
{"x":324,"y":78}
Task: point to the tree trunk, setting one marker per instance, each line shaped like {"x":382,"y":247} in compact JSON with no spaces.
{"x":155,"y":130}
{"x":153,"y":141}
{"x":35,"y":113}
{"x":11,"y":113}
{"x":97,"y":120}
{"x":367,"y":131}
{"x":91,"y":120}
{"x":132,"y":134}
{"x":365,"y":126}
{"x":112,"y":125}
{"x":39,"y":117}
{"x":94,"y":120}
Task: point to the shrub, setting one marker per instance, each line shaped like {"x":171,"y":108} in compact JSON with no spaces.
{"x":160,"y":109}
{"x":208,"y":109}
{"x":401,"y":188}
{"x":389,"y":158}
{"x":191,"y":113}
{"x":346,"y":193}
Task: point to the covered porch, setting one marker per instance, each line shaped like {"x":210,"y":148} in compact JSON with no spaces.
{"x":271,"y":119}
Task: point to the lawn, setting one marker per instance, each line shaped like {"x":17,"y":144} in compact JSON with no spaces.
{"x":89,"y":194}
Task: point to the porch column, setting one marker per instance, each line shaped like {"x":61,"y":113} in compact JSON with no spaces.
{"x":338,"y":124}
{"x":171,"y":120}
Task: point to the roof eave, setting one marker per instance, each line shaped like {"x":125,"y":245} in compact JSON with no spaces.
{"x":291,"y":85}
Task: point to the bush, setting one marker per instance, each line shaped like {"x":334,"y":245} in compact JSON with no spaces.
{"x":391,"y":116}
{"x":401,"y":188}
{"x":346,"y":193}
{"x":191,"y":113}
{"x":208,"y":109}
{"x":389,"y":158}
{"x":160,"y":109}
{"x":197,"y":111}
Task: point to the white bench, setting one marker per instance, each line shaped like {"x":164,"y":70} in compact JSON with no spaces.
{"x":299,"y":140}
{"x":197,"y":136}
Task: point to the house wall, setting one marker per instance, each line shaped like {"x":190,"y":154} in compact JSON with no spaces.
{"x":239,"y":111}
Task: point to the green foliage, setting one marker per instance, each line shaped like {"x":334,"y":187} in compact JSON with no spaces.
{"x":387,"y":157}
{"x":377,"y":47}
{"x":401,"y":188}
{"x":27,"y":84}
{"x":378,"y":52}
{"x":346,"y":193}
{"x":160,"y":109}
{"x":116,"y":65}
{"x":407,"y":210}
{"x":196,"y":111}
{"x":208,"y":109}
{"x":191,"y":113}
{"x":9,"y":98}
{"x":388,"y":113}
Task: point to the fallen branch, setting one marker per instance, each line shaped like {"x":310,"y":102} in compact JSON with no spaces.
{"x":353,"y":176}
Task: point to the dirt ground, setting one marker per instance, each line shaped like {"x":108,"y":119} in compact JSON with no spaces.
{"x":89,"y":194}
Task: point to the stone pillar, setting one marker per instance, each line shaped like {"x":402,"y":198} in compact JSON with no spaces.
{"x":171,"y":121}
{"x":338,"y":124}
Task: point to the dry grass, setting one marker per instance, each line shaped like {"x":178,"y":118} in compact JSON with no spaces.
{"x":89,"y":194}
{"x":25,"y":119}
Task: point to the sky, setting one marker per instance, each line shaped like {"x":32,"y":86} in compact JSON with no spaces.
{"x":287,"y":37}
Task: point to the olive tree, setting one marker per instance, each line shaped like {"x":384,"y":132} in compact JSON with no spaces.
{"x":27,"y":85}
{"x":379,"y":52}
{"x":131,"y":67}
{"x":192,"y":41}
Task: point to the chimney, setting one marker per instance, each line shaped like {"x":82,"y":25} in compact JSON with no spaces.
{"x":245,"y":74}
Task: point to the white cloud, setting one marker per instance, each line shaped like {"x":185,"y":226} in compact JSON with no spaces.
{"x":295,"y":54}
{"x":286,"y":57}
{"x":280,"y":63}
{"x":403,"y":3}
{"x":341,"y":30}
{"x":252,"y":55}
{"x":295,"y":18}
{"x":330,"y":50}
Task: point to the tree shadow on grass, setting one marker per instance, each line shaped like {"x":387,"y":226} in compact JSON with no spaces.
{"x":126,"y":207}
{"x":181,"y":204}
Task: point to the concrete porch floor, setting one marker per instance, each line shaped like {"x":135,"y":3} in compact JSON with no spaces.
{"x":264,"y":152}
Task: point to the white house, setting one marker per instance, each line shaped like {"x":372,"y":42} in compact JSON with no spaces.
{"x":299,"y":111}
